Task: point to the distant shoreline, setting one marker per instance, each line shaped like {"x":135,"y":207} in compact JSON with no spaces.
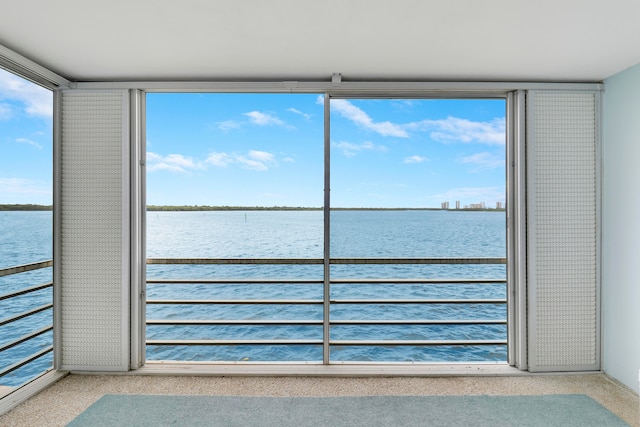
{"x":187,"y":208}
{"x":27,"y":207}
{"x":154,"y":208}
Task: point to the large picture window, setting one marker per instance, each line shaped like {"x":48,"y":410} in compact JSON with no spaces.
{"x":274,"y":234}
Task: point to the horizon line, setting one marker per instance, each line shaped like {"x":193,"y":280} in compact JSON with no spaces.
{"x":159,"y":208}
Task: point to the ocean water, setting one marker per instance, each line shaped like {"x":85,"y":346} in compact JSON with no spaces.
{"x":26,"y":237}
{"x":353,"y":234}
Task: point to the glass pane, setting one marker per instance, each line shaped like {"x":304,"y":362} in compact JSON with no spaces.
{"x":235,"y":176}
{"x":409,"y":176}
{"x":26,"y":225}
{"x":415,"y":178}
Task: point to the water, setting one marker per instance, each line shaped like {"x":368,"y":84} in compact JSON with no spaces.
{"x":26,"y":237}
{"x":299,"y":234}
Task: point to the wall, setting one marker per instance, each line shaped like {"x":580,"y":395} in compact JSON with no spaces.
{"x":621,"y":227}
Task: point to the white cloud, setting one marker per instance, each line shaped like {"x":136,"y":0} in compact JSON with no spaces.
{"x":454,"y":129}
{"x":451,"y":129}
{"x":256,"y":160}
{"x":262,"y":156}
{"x":349,"y":149}
{"x":252,"y":164}
{"x":172,"y":162}
{"x":37,"y":100}
{"x":415,"y":159}
{"x":11,"y":187}
{"x":228,"y":125}
{"x":178,"y":163}
{"x":29,"y":142}
{"x":300,"y":113}
{"x":484,"y":161}
{"x":263,"y":119}
{"x":349,"y":111}
{"x":253,"y":160}
{"x":219,"y":159}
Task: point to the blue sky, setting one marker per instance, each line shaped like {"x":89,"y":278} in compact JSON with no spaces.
{"x":26,"y":134}
{"x":267,"y":149}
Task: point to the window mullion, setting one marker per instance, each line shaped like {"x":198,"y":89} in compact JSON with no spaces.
{"x":327,"y":222}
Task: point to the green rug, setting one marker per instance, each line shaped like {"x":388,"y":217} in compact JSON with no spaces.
{"x":495,"y":411}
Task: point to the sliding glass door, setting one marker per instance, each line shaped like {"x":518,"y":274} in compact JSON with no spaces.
{"x":418,"y":230}
{"x":277,"y":234}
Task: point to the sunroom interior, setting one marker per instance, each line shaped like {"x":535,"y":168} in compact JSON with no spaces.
{"x":569,"y":73}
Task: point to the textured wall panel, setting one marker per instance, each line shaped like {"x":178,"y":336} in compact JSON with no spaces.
{"x":563,"y":215}
{"x":91,"y":229}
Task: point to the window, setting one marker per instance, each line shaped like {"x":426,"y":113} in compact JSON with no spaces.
{"x":414,"y":181}
{"x":26,"y":127}
{"x":237,"y":236}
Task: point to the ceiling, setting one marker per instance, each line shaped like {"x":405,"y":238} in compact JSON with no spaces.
{"x":425,"y":40}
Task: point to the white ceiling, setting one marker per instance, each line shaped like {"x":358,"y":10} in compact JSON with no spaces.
{"x":455,"y":40}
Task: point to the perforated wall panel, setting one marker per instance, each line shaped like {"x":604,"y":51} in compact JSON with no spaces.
{"x":92,"y":230}
{"x":562,"y":142}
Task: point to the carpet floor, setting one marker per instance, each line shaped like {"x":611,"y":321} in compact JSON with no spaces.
{"x":352,"y":411}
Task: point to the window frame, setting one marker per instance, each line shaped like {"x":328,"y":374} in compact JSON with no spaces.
{"x":514,"y":191}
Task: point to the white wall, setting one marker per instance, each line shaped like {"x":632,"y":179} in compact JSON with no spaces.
{"x":621,"y":227}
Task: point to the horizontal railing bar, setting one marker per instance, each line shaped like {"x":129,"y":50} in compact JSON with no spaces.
{"x":26,"y":291}
{"x":416,"y":281}
{"x":234,"y":342}
{"x":333,"y":342}
{"x":25,"y":314}
{"x":235,"y":302}
{"x":26,"y":338}
{"x":333,"y":301}
{"x":235,"y":261}
{"x":233,"y":322}
{"x":420,"y":301}
{"x":158,"y":322}
{"x":336,"y":261}
{"x":416,"y":342}
{"x":233,"y":281}
{"x":421,"y":322}
{"x":333,"y":281}
{"x":26,"y":360}
{"x":339,"y":261}
{"x":26,"y":267}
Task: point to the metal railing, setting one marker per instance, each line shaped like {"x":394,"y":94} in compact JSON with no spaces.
{"x":326,"y":322}
{"x":25,"y":314}
{"x":327,"y":303}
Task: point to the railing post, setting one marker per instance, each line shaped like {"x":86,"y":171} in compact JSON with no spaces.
{"x":326,"y":354}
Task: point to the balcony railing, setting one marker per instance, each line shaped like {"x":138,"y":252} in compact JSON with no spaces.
{"x":24,"y":311}
{"x":326,"y":302}
{"x":325,"y":320}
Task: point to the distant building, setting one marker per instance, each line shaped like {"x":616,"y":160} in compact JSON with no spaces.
{"x":445,"y":205}
{"x":498,"y":205}
{"x":457,"y":204}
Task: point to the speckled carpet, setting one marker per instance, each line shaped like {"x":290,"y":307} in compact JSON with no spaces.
{"x":496,"y":411}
